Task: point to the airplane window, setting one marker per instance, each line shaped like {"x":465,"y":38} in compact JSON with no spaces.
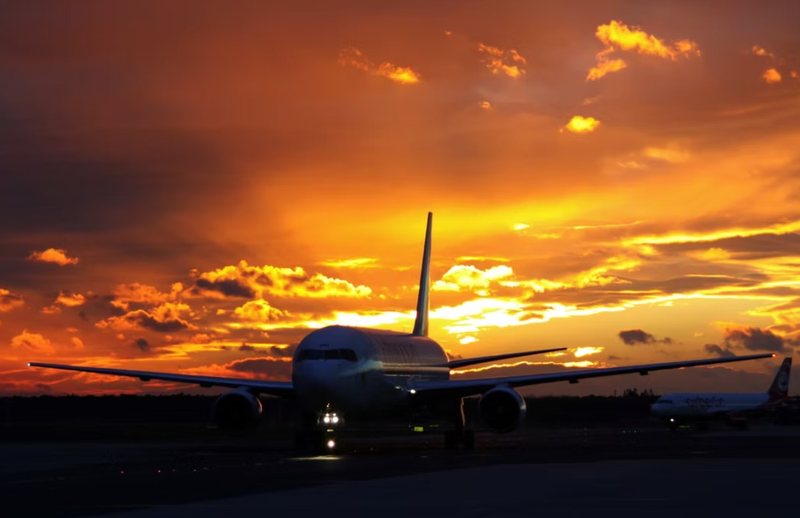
{"x":327,"y":354}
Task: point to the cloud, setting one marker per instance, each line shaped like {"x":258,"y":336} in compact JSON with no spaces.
{"x":259,"y":367}
{"x":259,"y":311}
{"x":134,"y":292}
{"x":166,"y":318}
{"x":142,"y":344}
{"x":771,"y":76}
{"x":76,"y":342}
{"x":604,"y":67}
{"x":355,"y":263}
{"x":616,"y":36}
{"x":719,"y":351}
{"x":507,"y":62}
{"x":580,"y":352}
{"x":57,"y":256}
{"x":470,"y":278}
{"x":638,"y":336}
{"x":756,"y":339}
{"x":355,"y":58}
{"x":248,"y":281}
{"x":761,"y":52}
{"x":32,"y":342}
{"x":70,"y":300}
{"x":581,"y":125}
{"x":10,"y":301}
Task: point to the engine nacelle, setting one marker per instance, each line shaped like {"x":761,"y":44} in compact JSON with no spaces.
{"x":502,"y":409}
{"x":237,"y":410}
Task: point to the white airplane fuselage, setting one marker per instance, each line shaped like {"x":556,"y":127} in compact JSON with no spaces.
{"x":700,"y":405}
{"x":363,"y":372}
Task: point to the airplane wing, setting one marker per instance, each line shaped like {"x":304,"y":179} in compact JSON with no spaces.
{"x":275,"y":388}
{"x":455,"y":364}
{"x":462,"y":388}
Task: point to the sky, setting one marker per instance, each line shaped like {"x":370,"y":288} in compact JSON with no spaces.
{"x":194,"y":186}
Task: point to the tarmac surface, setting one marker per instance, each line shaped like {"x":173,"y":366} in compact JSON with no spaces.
{"x":549,"y":471}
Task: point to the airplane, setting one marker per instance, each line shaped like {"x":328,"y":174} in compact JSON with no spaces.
{"x":341,"y":375}
{"x":700,"y":407}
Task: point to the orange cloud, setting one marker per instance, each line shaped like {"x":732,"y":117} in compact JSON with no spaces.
{"x":605,"y":66}
{"x":32,"y":342}
{"x":355,"y":58}
{"x":771,"y":76}
{"x":166,"y":318}
{"x":53,"y":255}
{"x":761,"y":52}
{"x":125,"y":294}
{"x":503,"y":61}
{"x":355,"y":263}
{"x":580,"y":352}
{"x":70,"y":300}
{"x":259,"y":311}
{"x":9,"y":300}
{"x":580,"y":124}
{"x":245,"y":280}
{"x":469,"y":278}
{"x":615,"y":35}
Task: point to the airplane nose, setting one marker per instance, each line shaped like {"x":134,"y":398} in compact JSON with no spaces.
{"x":318,"y":384}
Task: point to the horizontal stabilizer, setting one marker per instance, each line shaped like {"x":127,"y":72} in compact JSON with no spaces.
{"x":456,"y":364}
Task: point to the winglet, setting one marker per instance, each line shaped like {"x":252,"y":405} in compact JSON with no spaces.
{"x":421,"y":323}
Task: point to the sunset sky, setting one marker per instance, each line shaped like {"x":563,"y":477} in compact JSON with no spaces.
{"x":193,"y":186}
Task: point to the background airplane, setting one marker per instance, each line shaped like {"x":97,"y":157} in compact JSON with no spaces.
{"x":678,"y":408}
{"x":345,"y":375}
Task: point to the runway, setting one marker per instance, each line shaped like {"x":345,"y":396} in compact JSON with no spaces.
{"x":653,"y":488}
{"x":552,"y":471}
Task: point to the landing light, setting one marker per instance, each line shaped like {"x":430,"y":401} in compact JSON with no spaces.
{"x":331,"y":444}
{"x":331,"y":418}
{"x":412,"y":391}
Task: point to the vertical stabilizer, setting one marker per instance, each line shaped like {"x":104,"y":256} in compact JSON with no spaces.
{"x":780,"y":385}
{"x":421,"y":323}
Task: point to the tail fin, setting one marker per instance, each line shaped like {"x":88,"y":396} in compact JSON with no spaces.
{"x":421,"y":323}
{"x":780,"y":385}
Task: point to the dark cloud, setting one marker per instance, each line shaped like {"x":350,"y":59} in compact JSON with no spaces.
{"x":9,"y":300}
{"x":229,"y":288}
{"x":142,"y":344}
{"x":756,"y":339}
{"x":719,"y":351}
{"x":637,"y":336}
{"x":759,"y":246}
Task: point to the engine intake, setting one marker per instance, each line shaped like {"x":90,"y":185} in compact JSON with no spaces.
{"x":237,"y":410}
{"x":502,"y":409}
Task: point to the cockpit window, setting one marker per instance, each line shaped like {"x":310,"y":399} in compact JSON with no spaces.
{"x":327,"y":354}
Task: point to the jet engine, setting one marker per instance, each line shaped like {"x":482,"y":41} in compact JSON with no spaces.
{"x":237,"y":410}
{"x":502,"y":409}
